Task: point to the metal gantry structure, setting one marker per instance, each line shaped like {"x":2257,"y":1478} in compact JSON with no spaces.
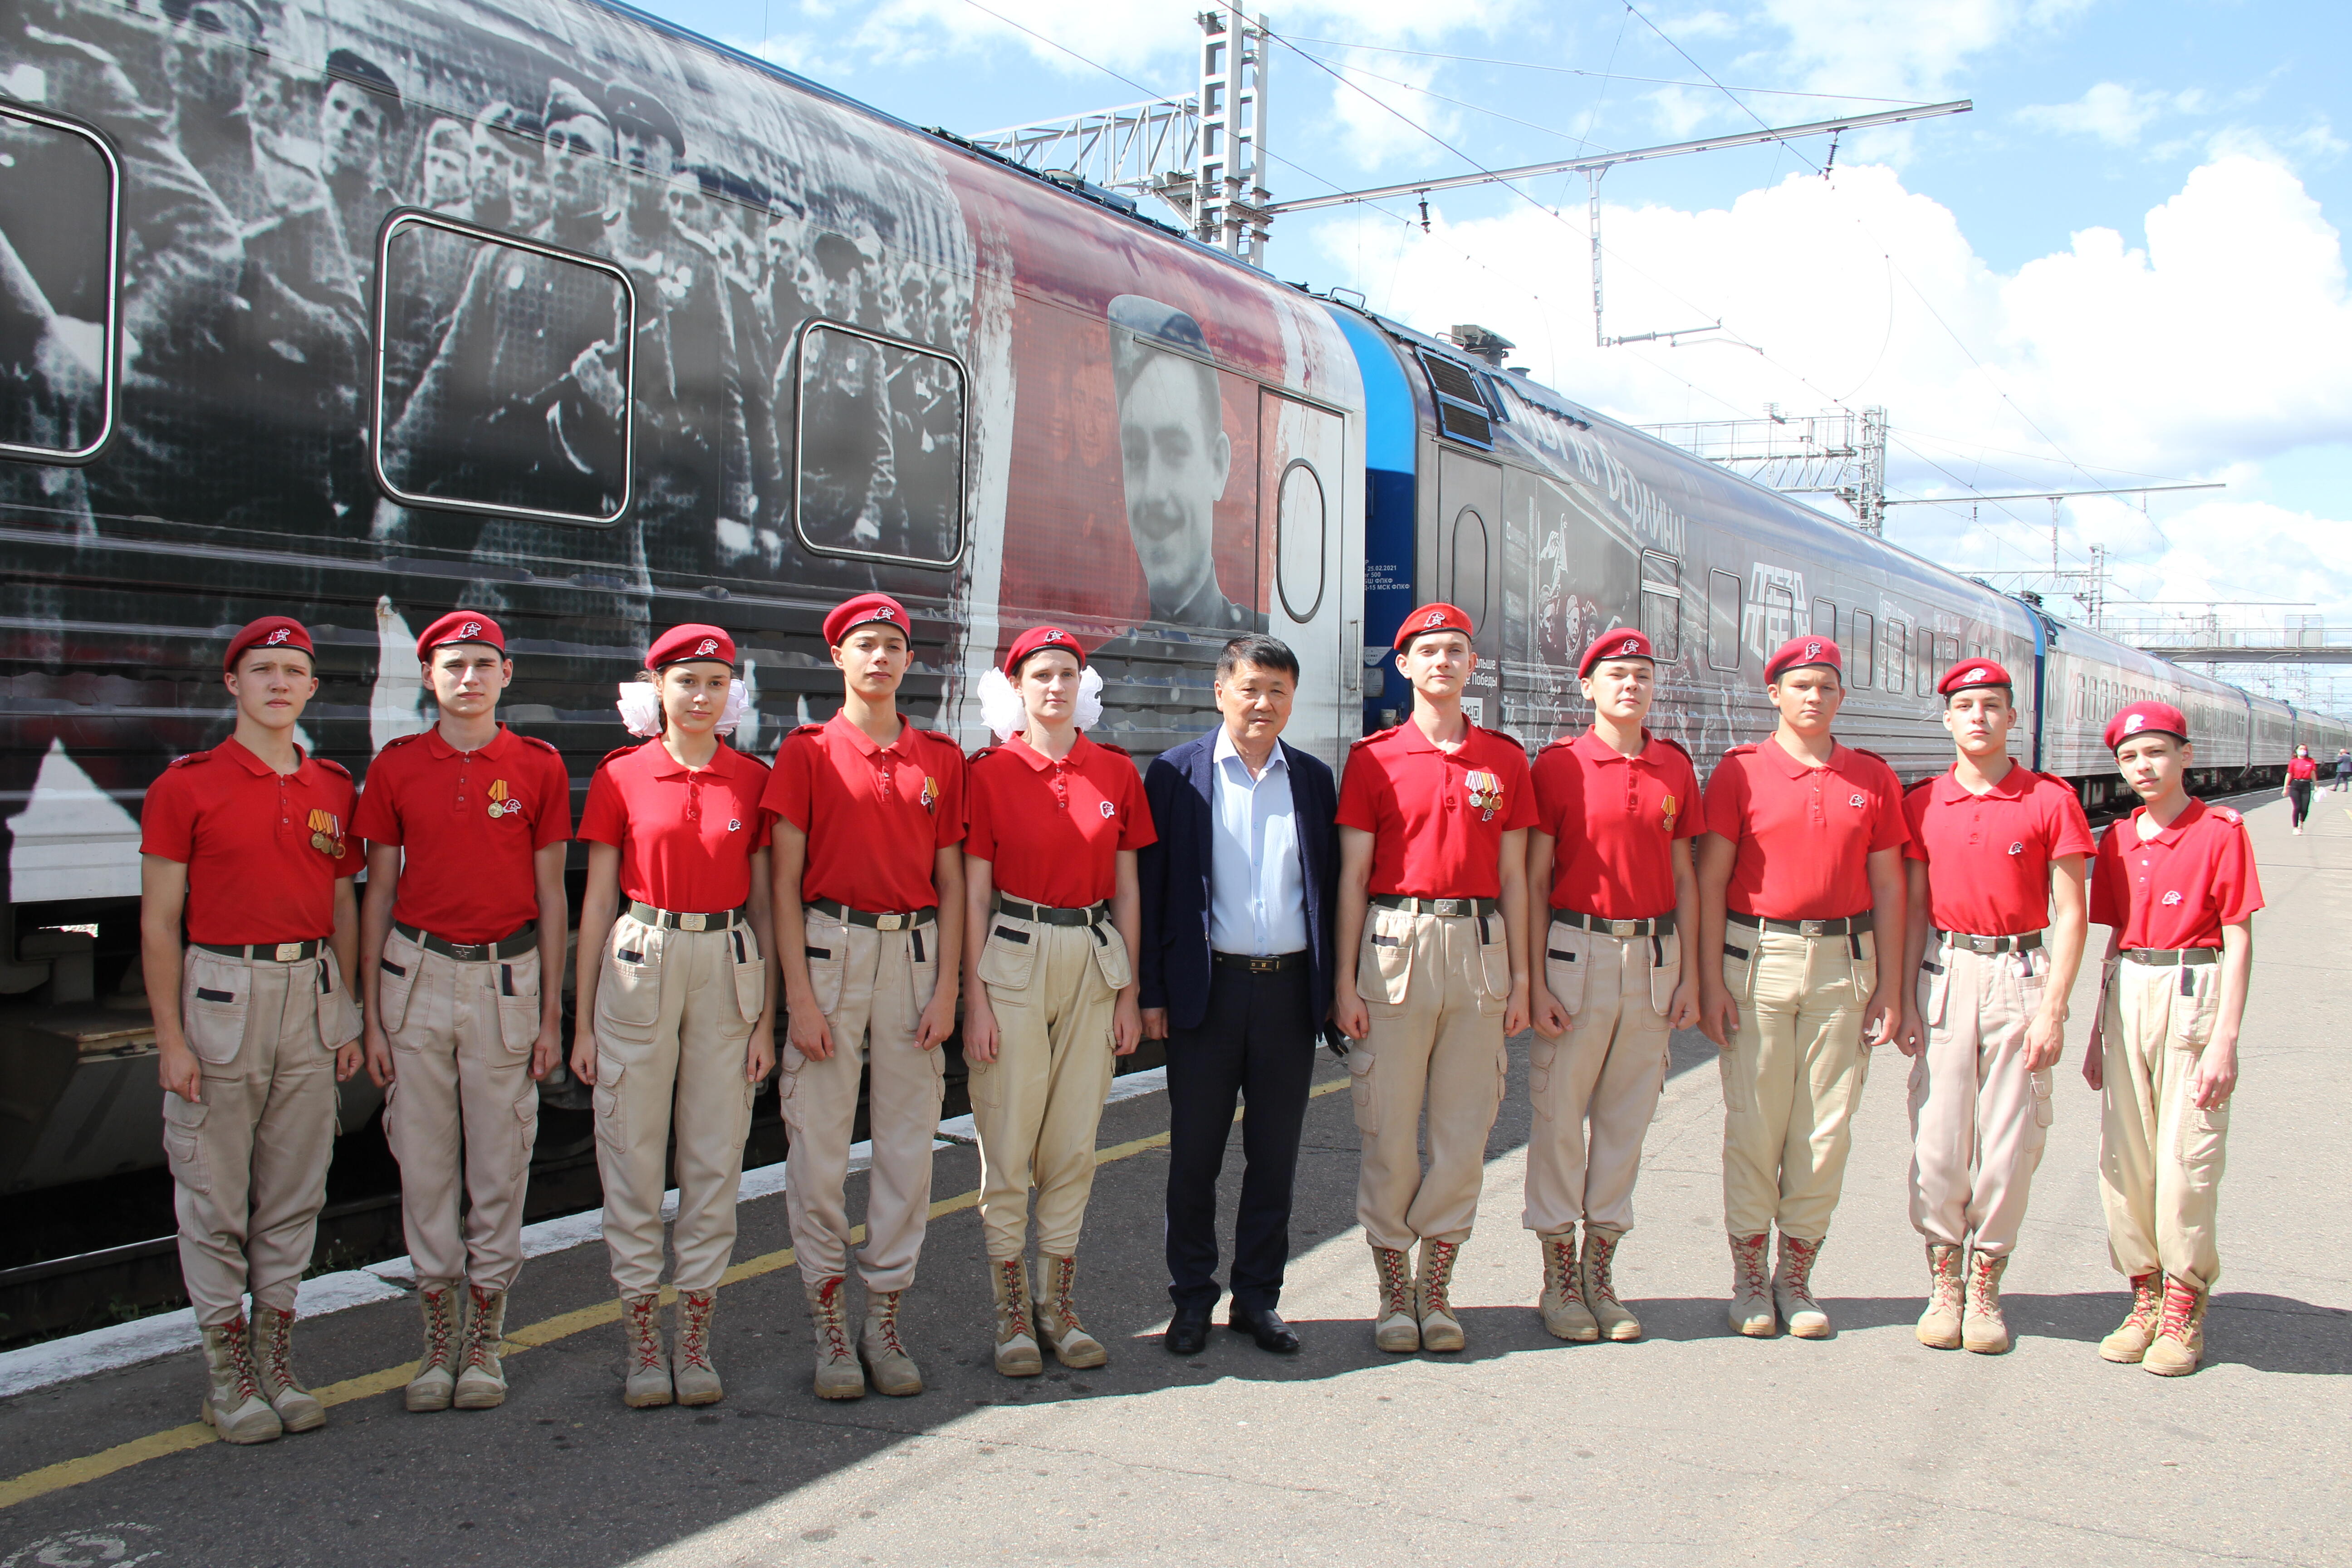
{"x":1842,"y":452}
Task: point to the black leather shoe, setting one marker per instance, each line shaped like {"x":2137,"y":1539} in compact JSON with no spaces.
{"x":1188,"y":1332}
{"x":1266,"y":1326}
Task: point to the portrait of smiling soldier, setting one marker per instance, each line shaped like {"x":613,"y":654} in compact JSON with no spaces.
{"x":1176,"y":459}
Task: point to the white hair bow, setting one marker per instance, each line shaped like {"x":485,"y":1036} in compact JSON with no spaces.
{"x":1001,"y":708}
{"x":641,"y":713}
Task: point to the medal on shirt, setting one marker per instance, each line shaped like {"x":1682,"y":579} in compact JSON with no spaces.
{"x":326,"y":833}
{"x":930,"y":795}
{"x":1667,"y":805}
{"x":500,"y":803}
{"x":1486,"y":794}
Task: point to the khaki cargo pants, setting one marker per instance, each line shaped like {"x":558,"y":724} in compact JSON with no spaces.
{"x":1053,"y":989}
{"x":250,"y":1161}
{"x":1978,"y":1120}
{"x":1793,"y":1075}
{"x":462,"y":1112}
{"x":2160,"y":1157}
{"x":1436,"y":987}
{"x":873,"y":985}
{"x":674,"y":1017}
{"x":1610,"y":1067}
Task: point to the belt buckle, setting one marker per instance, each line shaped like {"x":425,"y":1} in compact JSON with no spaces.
{"x":1265,"y":965}
{"x":467,"y":952}
{"x":288,"y":952}
{"x":691,"y":923}
{"x":1446,"y":907}
{"x":1624,"y":928}
{"x":890,"y":922}
{"x":1985,"y":943}
{"x":1811,"y":928}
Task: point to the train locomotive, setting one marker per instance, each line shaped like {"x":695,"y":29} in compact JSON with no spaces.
{"x":550,"y":309}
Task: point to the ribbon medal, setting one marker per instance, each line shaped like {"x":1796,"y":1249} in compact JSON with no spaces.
{"x":930,"y":795}
{"x":500,"y":803}
{"x":1667,"y":805}
{"x":1486,"y":794}
{"x":326,"y":833}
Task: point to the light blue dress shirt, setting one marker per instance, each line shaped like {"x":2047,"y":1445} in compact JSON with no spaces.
{"x":1257,"y":885}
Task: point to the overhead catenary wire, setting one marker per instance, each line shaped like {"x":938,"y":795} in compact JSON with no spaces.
{"x":1573,"y":70}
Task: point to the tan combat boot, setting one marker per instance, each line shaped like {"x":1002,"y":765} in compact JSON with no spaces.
{"x":886,"y":1362}
{"x":695,"y":1379}
{"x":1751,"y":1289}
{"x":1984,"y":1330}
{"x":233,"y":1405}
{"x":1561,"y":1305}
{"x":2132,"y":1337}
{"x":647,"y":1361}
{"x":2180,"y":1343}
{"x":1940,"y":1325}
{"x":1398,"y":1331}
{"x":837,"y":1374}
{"x":273,"y":1370}
{"x":1440,"y":1329}
{"x":1057,"y":1315}
{"x":1016,"y":1331}
{"x":1792,"y":1289}
{"x":437,"y":1374}
{"x":482,"y":1385}
{"x":1600,"y":1290}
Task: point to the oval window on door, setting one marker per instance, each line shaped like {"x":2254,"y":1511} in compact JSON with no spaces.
{"x":1300,"y":520}
{"x":1470,"y":565}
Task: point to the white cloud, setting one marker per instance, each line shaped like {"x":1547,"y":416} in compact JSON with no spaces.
{"x":1386,"y":123}
{"x":2110,"y":111}
{"x":1868,"y":46}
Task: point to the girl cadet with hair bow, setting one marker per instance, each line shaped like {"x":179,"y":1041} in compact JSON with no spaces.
{"x":676,"y":1026}
{"x":1052,"y":910}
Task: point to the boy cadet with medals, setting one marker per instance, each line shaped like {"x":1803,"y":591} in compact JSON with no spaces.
{"x":867,"y":814}
{"x":1433,"y":816}
{"x":2176,"y":882}
{"x":1996,"y":856}
{"x":461,"y":951}
{"x":255,"y":1022}
{"x":1800,"y":880}
{"x":1616,"y":808}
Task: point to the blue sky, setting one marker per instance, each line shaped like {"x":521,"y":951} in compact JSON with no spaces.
{"x":2123,"y":265}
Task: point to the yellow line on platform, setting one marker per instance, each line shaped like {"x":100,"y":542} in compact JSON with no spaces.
{"x":546,"y":1332}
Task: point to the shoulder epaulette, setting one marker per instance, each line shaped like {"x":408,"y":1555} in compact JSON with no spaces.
{"x":331,"y":762}
{"x":1873,"y":756}
{"x":1556,"y":745}
{"x":2228,"y":814}
{"x":1502,"y":735}
{"x":1921,"y":783}
{"x":1375,"y":735}
{"x":1740,"y":750}
{"x":616,"y":753}
{"x":803,"y":730}
{"x":402,"y":741}
{"x":1122,"y":750}
{"x":191,"y":760}
{"x":550,"y":747}
{"x":942,"y":736}
{"x":987,"y":751}
{"x":1677,"y":745}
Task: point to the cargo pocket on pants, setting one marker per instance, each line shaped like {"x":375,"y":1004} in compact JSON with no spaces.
{"x":1936,"y":977}
{"x":2193,"y":1011}
{"x":338,"y":1010}
{"x":183,"y":1142}
{"x":1735,"y":1068}
{"x":1665,"y":970}
{"x":628,"y":993}
{"x":826,"y":947}
{"x":1384,"y":964}
{"x":1110,"y":957}
{"x":1568,"y":957}
{"x":1493,"y":962}
{"x":395,"y":981}
{"x":789,"y":1062}
{"x":983,"y":1082}
{"x":517,"y":981}
{"x":526,"y":1111}
{"x":1540,"y":1056}
{"x":922,"y":965}
{"x":612,"y":1125}
{"x":1008,"y":959}
{"x":2196,"y":1142}
{"x":215,"y":998}
{"x":1359,"y":1089}
{"x":752,"y":974}
{"x":2037,"y":1081}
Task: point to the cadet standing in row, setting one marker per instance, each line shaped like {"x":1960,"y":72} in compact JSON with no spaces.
{"x":867,"y":812}
{"x":1996,"y":857}
{"x":1433,"y":902}
{"x":1616,"y":809}
{"x":1801,"y":877}
{"x":461,"y":960}
{"x":255,"y":1022}
{"x":2176,"y":882}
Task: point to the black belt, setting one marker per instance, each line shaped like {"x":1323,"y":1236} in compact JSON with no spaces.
{"x":1986,"y":944}
{"x":1657,"y":925}
{"x":2167,"y":957}
{"x":843,"y":912}
{"x":1850,"y":925}
{"x":513,"y":945}
{"x":267,"y":952}
{"x":645,"y":914}
{"x":1273,"y":964}
{"x":1045,"y":915}
{"x":1448,"y":907}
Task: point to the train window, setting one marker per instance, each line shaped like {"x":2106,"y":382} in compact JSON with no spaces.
{"x":1899,"y":644}
{"x":1924,"y":668}
{"x":1469,"y":578}
{"x":1722,"y":621}
{"x":880,"y":432}
{"x":1824,"y":620}
{"x":1861,"y":657}
{"x":60,"y":202}
{"x":1779,"y":614}
{"x":1662,"y":604}
{"x":1301,"y":519}
{"x":516,"y":401}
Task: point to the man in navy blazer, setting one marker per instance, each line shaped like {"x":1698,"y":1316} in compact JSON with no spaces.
{"x":1235,"y":971}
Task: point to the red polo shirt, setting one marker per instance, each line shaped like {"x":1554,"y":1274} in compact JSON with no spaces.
{"x":1437,"y":819}
{"x":469,"y":824}
{"x":1988,"y":856}
{"x":1805,"y":834}
{"x":1615,"y":819}
{"x":2302,"y":768}
{"x":876,"y":817}
{"x":263,"y":848}
{"x":2179,"y":888}
{"x":686,"y":835}
{"x":1054,"y":829}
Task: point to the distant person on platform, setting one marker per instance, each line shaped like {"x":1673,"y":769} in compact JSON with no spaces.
{"x":2344,"y":767}
{"x":2302,"y":778}
{"x":1177,"y":459}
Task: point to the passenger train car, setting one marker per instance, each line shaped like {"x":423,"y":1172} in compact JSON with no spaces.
{"x":548,"y":308}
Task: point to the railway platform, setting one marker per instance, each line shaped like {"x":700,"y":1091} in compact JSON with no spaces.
{"x":1692,"y":1447}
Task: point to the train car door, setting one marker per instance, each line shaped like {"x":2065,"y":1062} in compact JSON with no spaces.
{"x":1302,"y":456}
{"x":1468,"y":541}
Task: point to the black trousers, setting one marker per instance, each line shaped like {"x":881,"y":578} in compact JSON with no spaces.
{"x":2298,"y":795}
{"x":1257,"y":1040}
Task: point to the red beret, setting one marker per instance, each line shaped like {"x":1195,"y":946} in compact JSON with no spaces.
{"x":1972,"y":672}
{"x":2142,"y":717}
{"x":459,"y":626}
{"x":865,"y":609}
{"x":691,"y":641}
{"x":1039,"y":638}
{"x":1433,"y":617}
{"x":1622,"y":643}
{"x":1799,"y":653}
{"x":269,"y":631}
